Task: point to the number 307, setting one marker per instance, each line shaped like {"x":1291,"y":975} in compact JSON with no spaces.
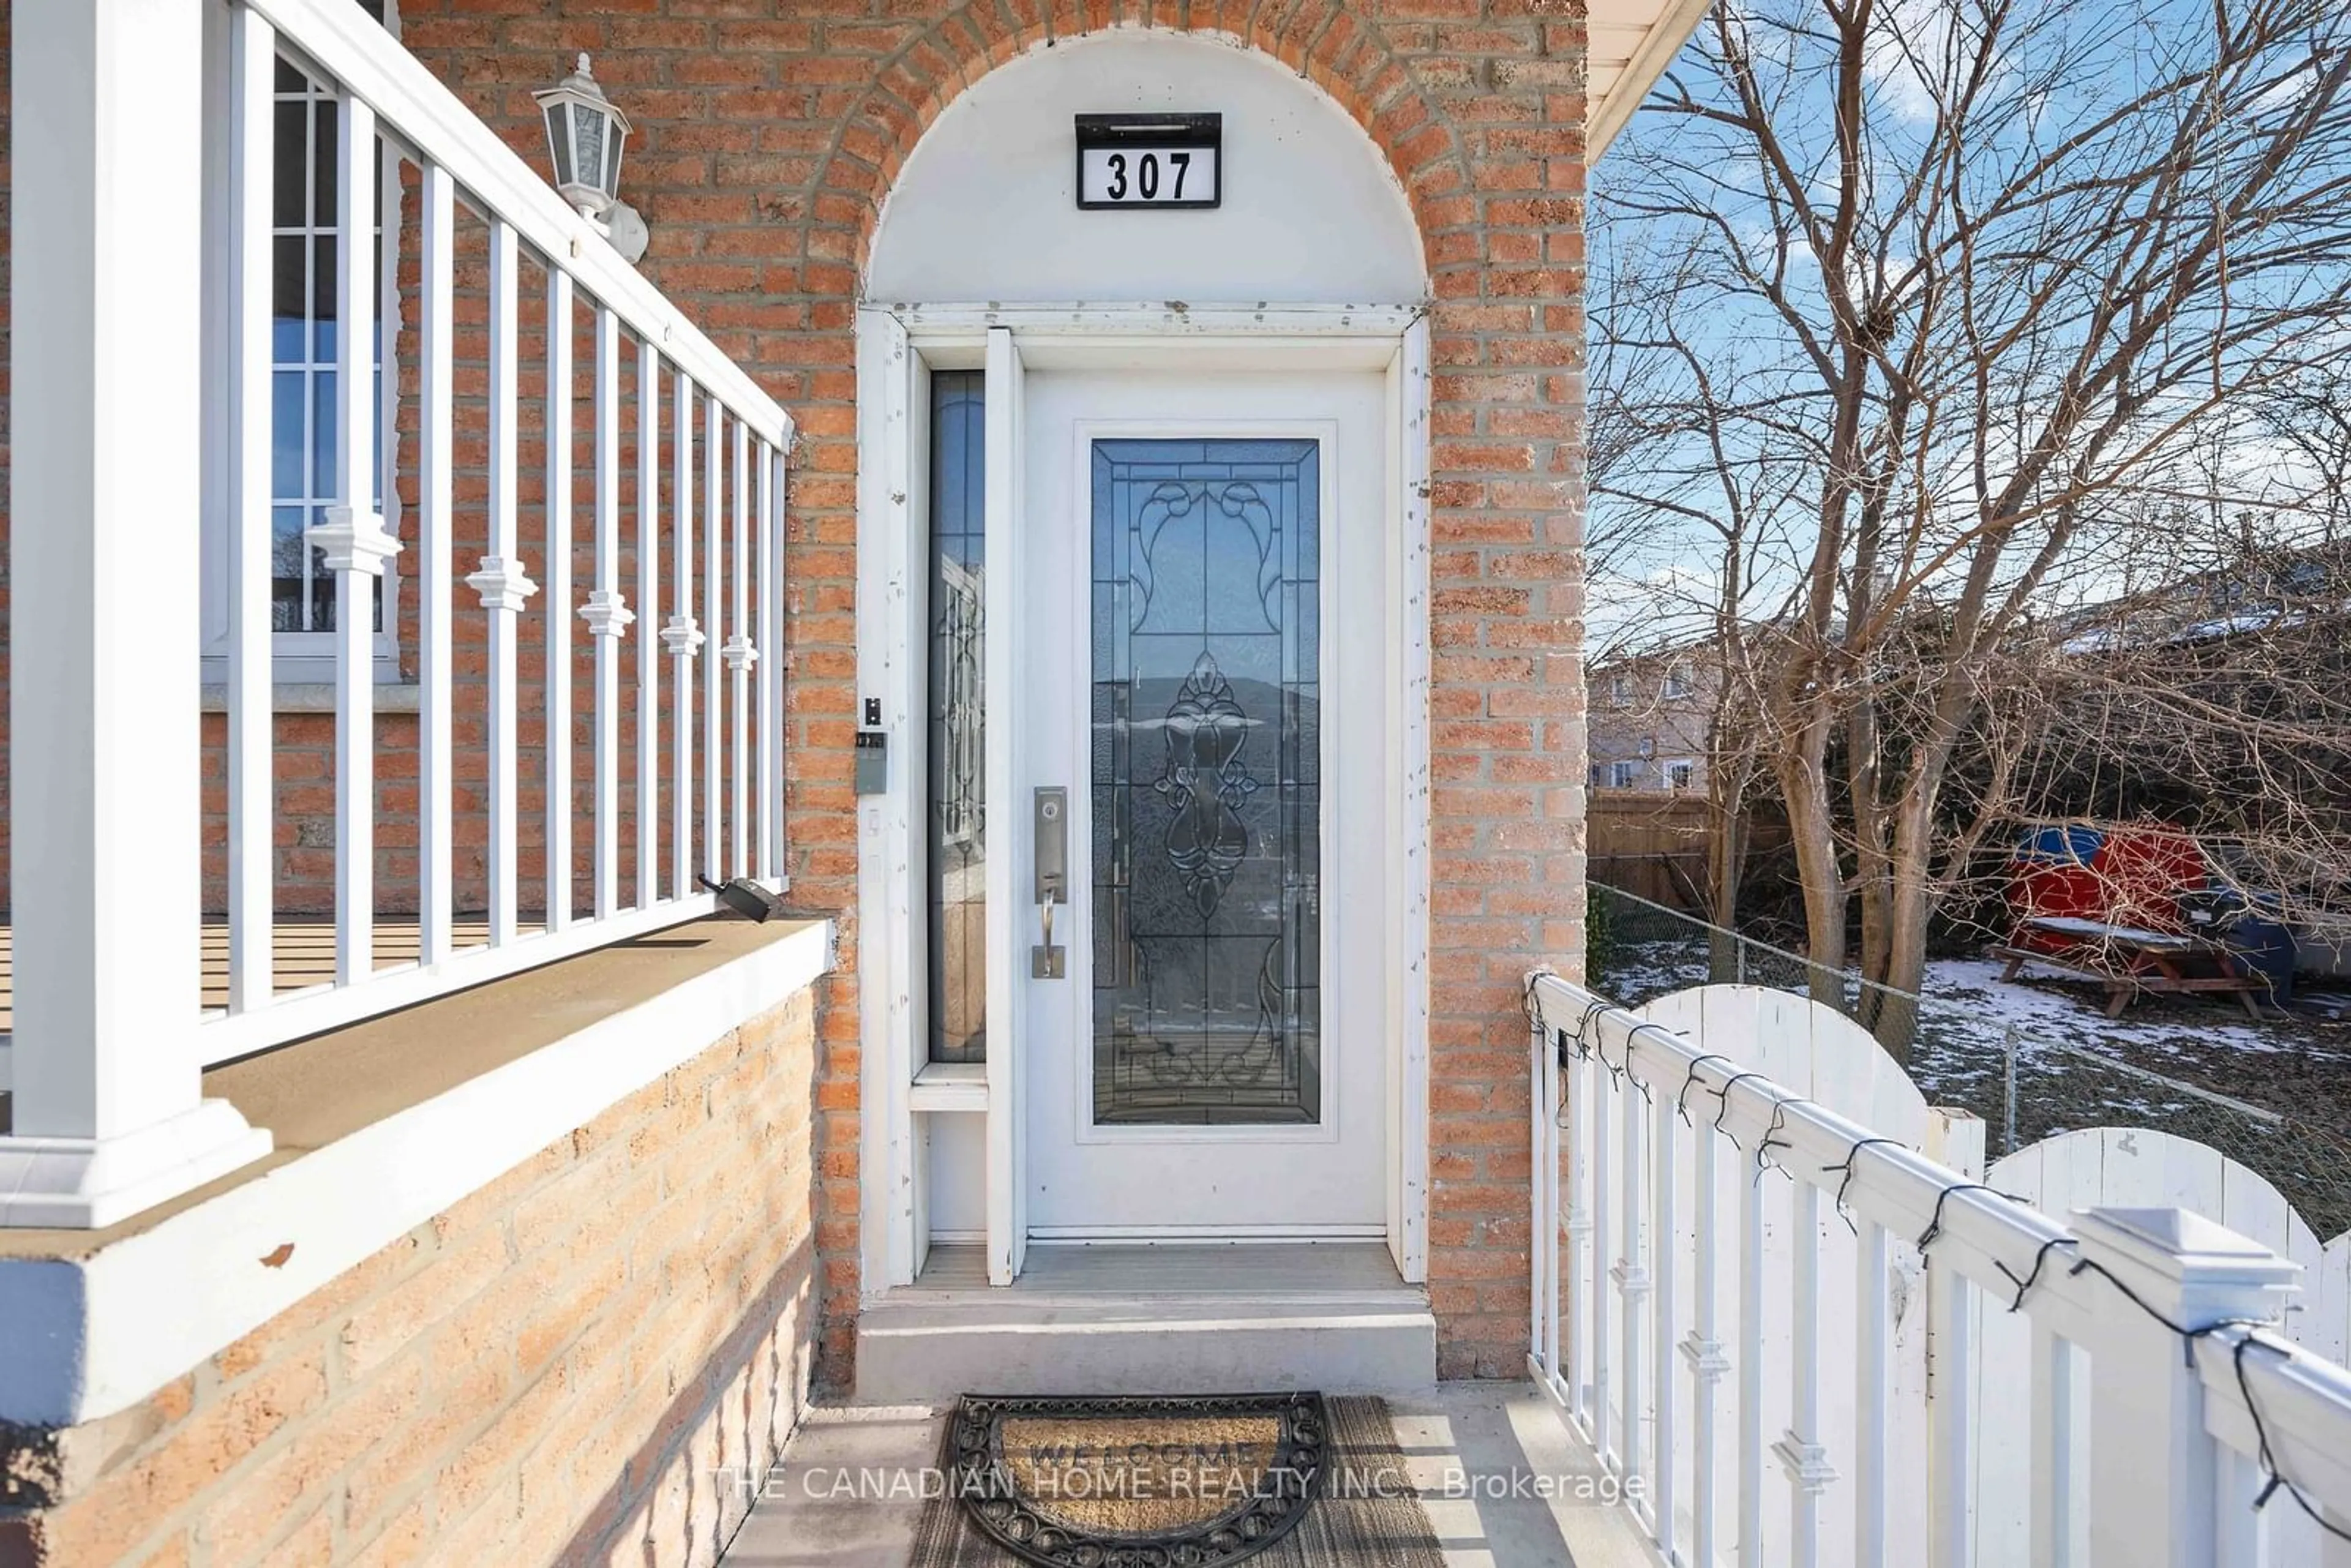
{"x":1146,"y":173}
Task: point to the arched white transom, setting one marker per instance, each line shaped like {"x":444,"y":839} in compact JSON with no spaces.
{"x":985,"y":209}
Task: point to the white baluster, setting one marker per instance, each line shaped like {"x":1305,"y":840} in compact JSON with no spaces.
{"x":2241,"y":1531}
{"x":648,"y":652}
{"x":682,"y":638}
{"x":1583,"y":1259}
{"x":1551,"y":1112}
{"x":1602,"y":1101}
{"x":435,"y":577}
{"x":1543,"y":1239}
{"x":1750,"y":1368}
{"x":1550,"y":1173}
{"x":772,"y":642}
{"x":1539,"y":1242}
{"x":1800,"y":1451}
{"x":1871,"y":1389}
{"x":353,"y":542}
{"x":2054,"y":1484}
{"x":251,"y":851}
{"x":1632,"y":1272}
{"x":557,"y":716}
{"x":607,"y":611}
{"x":502,"y":583}
{"x":713,"y":740}
{"x":1703,"y":1350}
{"x":1950,"y":1423}
{"x":1664,"y":1248}
{"x":741,"y":654}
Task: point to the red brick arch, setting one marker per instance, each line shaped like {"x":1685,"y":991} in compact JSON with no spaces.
{"x":767,"y":131}
{"x":1333,"y":48}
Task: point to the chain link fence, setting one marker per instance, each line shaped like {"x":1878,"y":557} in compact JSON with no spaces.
{"x":2027,"y":1077}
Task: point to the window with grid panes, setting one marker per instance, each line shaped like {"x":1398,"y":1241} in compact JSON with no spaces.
{"x":303,"y":334}
{"x":305,"y":345}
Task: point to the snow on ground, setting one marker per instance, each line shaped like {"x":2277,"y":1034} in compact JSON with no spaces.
{"x":1985,"y":1008}
{"x":2158,"y":1065}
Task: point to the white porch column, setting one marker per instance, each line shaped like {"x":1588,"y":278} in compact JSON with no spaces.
{"x":104,"y":232}
{"x":2154,"y":1470}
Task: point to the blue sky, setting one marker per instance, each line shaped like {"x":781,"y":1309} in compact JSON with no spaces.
{"x":1684,"y":203}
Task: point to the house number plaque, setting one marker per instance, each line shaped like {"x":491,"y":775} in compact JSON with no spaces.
{"x":1150,"y":160}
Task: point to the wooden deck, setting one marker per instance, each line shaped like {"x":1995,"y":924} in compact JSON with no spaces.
{"x":303,"y":951}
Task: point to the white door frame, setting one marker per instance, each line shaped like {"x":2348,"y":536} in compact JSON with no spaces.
{"x":897,"y":348}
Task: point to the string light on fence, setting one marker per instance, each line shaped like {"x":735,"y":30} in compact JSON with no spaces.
{"x":1852,"y":1155}
{"x":1681,"y":1101}
{"x":2274,"y":1479}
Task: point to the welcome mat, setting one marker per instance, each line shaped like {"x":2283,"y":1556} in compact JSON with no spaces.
{"x":1292,"y":1479}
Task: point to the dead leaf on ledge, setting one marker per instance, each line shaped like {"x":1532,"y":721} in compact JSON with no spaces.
{"x":276,"y":1260}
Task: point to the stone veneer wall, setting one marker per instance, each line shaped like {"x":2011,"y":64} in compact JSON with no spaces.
{"x":565,"y":1366}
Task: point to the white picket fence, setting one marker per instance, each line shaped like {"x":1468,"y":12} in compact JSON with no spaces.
{"x":1705,"y":1314}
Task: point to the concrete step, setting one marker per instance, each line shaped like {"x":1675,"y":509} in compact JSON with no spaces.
{"x":1150,"y":1320}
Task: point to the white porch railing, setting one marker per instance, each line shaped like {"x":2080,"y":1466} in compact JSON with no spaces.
{"x":107,"y":241}
{"x":2161,"y":1406}
{"x":380,"y":91}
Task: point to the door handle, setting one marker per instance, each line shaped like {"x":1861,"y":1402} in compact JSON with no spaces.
{"x":1049,"y":846}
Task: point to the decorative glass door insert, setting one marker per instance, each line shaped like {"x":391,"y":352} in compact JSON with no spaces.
{"x":956,"y":801}
{"x":1206,"y":782}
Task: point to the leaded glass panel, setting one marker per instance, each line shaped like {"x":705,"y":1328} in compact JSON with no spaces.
{"x":958,"y":838}
{"x":1206,"y":782}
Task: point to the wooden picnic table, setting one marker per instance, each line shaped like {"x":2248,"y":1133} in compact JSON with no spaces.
{"x":2128,"y":961}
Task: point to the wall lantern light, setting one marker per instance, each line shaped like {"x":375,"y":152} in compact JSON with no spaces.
{"x":585,"y":137}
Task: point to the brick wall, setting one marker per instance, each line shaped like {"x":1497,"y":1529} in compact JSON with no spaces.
{"x":556,"y":1368}
{"x":767,"y":133}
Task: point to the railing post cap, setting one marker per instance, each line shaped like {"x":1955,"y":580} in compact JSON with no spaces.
{"x":2179,"y":1254}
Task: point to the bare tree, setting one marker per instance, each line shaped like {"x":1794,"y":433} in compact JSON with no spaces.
{"x":1966,"y":279}
{"x":1655,"y":441}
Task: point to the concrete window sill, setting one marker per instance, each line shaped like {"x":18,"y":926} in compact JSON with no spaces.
{"x":316,"y":696}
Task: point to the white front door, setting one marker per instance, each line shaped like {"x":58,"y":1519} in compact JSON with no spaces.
{"x":1199,"y":663}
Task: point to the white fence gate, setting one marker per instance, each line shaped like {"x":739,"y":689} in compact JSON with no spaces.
{"x":1678,"y":1165}
{"x":1830,"y":1059}
{"x":2128,"y":1167}
{"x":1825,"y":1057}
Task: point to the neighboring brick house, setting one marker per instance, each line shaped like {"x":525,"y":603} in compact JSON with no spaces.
{"x":1651,"y":720}
{"x":1252,"y":527}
